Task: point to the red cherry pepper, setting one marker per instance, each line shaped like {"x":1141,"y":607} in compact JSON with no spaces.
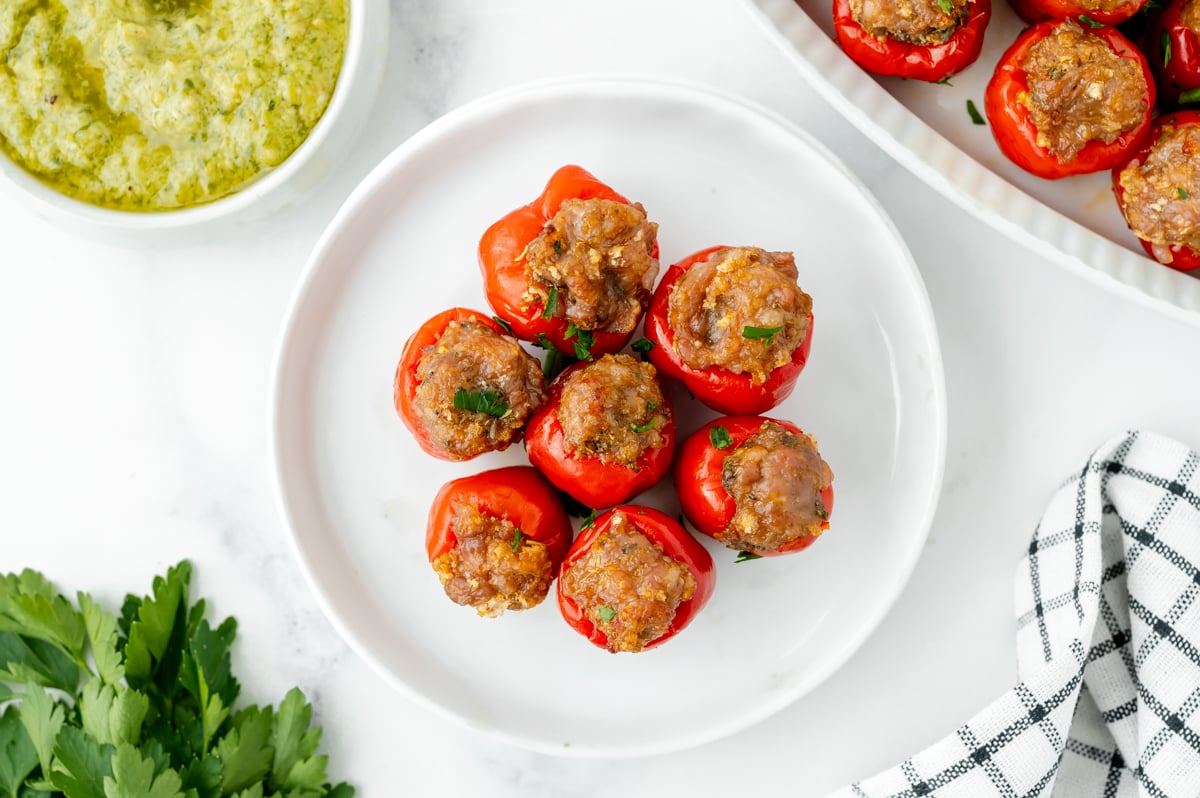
{"x":930,"y":62}
{"x":517,"y":494}
{"x":502,"y":262}
{"x":721,"y":389}
{"x":698,"y":478}
{"x":676,"y":543}
{"x":1183,"y":258}
{"x":1176,"y":62}
{"x":1013,"y":127}
{"x":404,"y":389}
{"x":590,"y":480}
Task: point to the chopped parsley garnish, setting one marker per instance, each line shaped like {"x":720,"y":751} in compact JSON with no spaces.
{"x":643,"y":345}
{"x":550,"y":367}
{"x":640,"y":428}
{"x":945,"y":82}
{"x":973,"y":112}
{"x":518,"y":538}
{"x":590,"y":520}
{"x":946,"y":6}
{"x":480,"y":402}
{"x":1164,"y":44}
{"x":822,"y":512}
{"x":606,"y":613}
{"x":507,"y":327}
{"x":551,"y":304}
{"x":1182,"y":192}
{"x":765,"y":334}
{"x":583,"y":341}
{"x":1091,"y":23}
{"x":747,"y":556}
{"x":544,"y":342}
{"x":558,"y":247}
{"x":719,"y":436}
{"x":1189,"y":96}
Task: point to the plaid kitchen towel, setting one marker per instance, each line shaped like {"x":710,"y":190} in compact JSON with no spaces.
{"x":1108,"y":643}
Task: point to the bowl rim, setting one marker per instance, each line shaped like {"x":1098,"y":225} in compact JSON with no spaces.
{"x":267,"y":182}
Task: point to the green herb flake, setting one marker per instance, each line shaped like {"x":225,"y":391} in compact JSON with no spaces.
{"x":946,"y":6}
{"x":550,"y":366}
{"x":590,"y":521}
{"x":1164,"y":45}
{"x":642,"y":345}
{"x":973,"y":112}
{"x":747,"y":556}
{"x":719,"y":436}
{"x":544,"y":342}
{"x":1189,"y":96}
{"x":1182,"y":192}
{"x":821,"y":510}
{"x":480,"y":402}
{"x":765,"y":334}
{"x":551,"y":304}
{"x":507,"y":327}
{"x":944,"y":82}
{"x":1091,"y":23}
{"x":583,"y":341}
{"x":518,"y":539}
{"x":640,"y":428}
{"x":271,"y":105}
{"x":606,"y":614}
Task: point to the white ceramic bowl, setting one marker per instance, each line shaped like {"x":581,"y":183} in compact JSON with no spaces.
{"x":330,"y":139}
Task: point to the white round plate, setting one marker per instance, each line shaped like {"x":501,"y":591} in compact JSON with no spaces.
{"x":354,"y":489}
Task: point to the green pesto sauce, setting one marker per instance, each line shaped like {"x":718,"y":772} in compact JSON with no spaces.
{"x":150,"y":105}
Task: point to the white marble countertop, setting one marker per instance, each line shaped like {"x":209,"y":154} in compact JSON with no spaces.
{"x":133,"y":432}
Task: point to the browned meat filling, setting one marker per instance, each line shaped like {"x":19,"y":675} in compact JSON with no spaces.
{"x":486,"y":370}
{"x":1162,"y":194}
{"x":1081,"y":91}
{"x":628,"y":587}
{"x":741,"y":310}
{"x":775,"y":478}
{"x":593,"y":264}
{"x":493,"y":567}
{"x":613,"y":409}
{"x":915,"y":21}
{"x":1189,"y":15}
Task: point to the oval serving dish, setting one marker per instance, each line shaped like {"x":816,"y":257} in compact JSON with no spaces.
{"x":926,"y":127}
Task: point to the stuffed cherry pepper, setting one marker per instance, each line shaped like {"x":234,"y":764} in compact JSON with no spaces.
{"x":1158,"y":191}
{"x":496,"y":539}
{"x":756,"y":484}
{"x":732,"y":325}
{"x":606,"y":432}
{"x":1176,"y":33}
{"x":1067,"y":101}
{"x":576,"y":265}
{"x":464,"y":387}
{"x":926,"y":40}
{"x":1092,"y":13}
{"x":634,"y":579}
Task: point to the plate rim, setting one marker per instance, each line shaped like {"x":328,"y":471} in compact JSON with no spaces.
{"x":545,"y":90}
{"x":945,"y":167}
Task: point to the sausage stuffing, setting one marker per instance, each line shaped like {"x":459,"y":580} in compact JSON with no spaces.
{"x":1162,"y":192}
{"x":613,"y":409}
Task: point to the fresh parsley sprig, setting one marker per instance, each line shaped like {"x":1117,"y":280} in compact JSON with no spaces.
{"x":151,"y":703}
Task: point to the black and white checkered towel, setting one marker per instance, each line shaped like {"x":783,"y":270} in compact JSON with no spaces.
{"x":1108,"y":641}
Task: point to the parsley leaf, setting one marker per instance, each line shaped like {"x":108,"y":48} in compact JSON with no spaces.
{"x":973,"y":112}
{"x":43,"y":719}
{"x":507,"y":327}
{"x":583,"y":341}
{"x":102,"y":633}
{"x":295,"y":741}
{"x":518,"y":538}
{"x":642,"y":345}
{"x":747,"y":556}
{"x":134,"y":777}
{"x":590,"y":520}
{"x":946,"y":6}
{"x":719,"y":436}
{"x":112,"y":713}
{"x":1091,"y":23}
{"x":18,"y":757}
{"x":480,"y":402}
{"x":551,"y":304}
{"x":153,"y":629}
{"x":30,"y":605}
{"x":84,"y":764}
{"x":1189,"y":96}
{"x":1182,"y":192}
{"x":245,"y":752}
{"x":766,"y":334}
{"x":640,"y":428}
{"x":606,"y":613}
{"x":1164,"y":44}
